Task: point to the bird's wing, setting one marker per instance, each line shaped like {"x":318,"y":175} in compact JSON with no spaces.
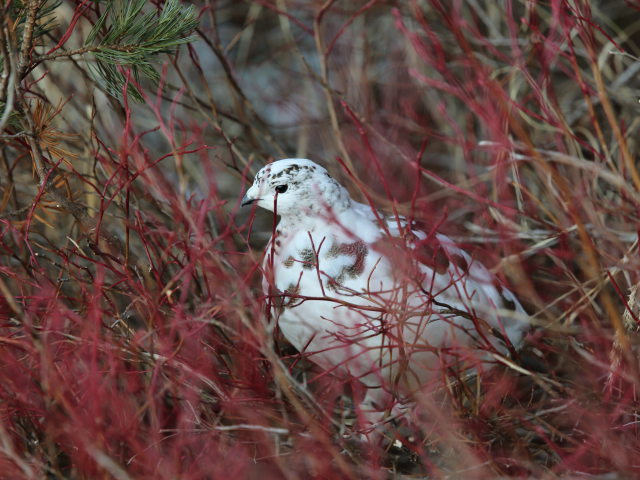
{"x":450,"y":276}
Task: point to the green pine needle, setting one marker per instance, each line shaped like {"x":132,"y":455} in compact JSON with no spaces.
{"x":45,"y":20}
{"x":134,"y":39}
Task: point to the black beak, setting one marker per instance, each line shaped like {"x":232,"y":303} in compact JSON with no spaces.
{"x":247,"y":201}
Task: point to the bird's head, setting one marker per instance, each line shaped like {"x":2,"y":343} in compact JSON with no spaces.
{"x":297,"y":186}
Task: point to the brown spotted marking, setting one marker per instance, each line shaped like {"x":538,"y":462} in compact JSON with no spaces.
{"x":292,"y":289}
{"x":291,"y":172}
{"x":276,"y":239}
{"x":430,"y":252}
{"x":510,"y":304}
{"x":460,"y":262}
{"x":358,"y":250}
{"x":284,"y":300}
{"x":290,"y":302}
{"x":308,"y":258}
{"x":332,"y":285}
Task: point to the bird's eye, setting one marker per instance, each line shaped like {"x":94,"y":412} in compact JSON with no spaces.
{"x":281,"y":188}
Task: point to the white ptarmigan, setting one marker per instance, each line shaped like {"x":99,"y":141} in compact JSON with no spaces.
{"x":372,"y":297}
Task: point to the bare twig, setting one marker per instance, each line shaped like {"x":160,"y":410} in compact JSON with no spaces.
{"x":8,"y":86}
{"x":27,"y":38}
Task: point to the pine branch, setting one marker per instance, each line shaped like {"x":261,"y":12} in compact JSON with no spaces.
{"x":81,"y":51}
{"x":134,"y":39}
{"x":33,"y":19}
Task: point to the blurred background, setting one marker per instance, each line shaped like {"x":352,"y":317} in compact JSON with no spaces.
{"x":133,"y":340}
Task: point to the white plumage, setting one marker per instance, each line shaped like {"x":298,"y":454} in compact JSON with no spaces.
{"x":371,"y":297}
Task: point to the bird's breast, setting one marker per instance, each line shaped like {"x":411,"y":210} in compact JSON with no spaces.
{"x":318,"y":265}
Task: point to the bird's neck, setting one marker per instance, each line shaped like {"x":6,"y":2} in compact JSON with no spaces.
{"x":299,"y":221}
{"x":311,"y":219}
